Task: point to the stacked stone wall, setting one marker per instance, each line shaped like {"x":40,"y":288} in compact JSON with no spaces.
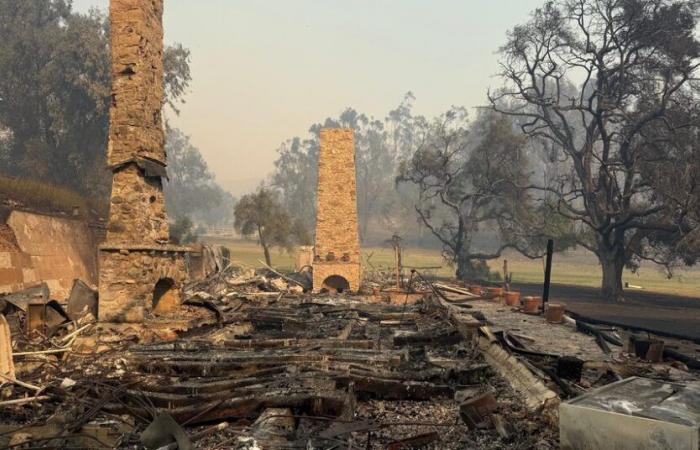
{"x":128,"y":278}
{"x":135,"y":255}
{"x":135,"y":127}
{"x":350,"y":271}
{"x":137,"y":208}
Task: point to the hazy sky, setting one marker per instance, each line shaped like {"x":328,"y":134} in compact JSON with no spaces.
{"x":264,"y":70}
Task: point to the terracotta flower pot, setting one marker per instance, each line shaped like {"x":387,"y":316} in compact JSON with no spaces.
{"x":475,"y":289}
{"x":531,"y":305}
{"x":555,"y":313}
{"x":494,"y":292}
{"x":512,"y":298}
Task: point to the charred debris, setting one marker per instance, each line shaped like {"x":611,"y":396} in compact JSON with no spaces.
{"x":253,"y":359}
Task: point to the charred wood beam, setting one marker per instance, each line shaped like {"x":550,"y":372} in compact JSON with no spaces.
{"x":391,"y":389}
{"x":432,"y":337}
{"x":305,"y":401}
{"x":463,"y":375}
{"x":358,"y":355}
{"x":246,"y":363}
{"x":689,"y":361}
{"x":299,"y":342}
{"x":414,"y":442}
{"x":209,"y":385}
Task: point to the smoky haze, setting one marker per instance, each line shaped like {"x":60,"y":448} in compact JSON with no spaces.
{"x":475,"y":123}
{"x":262,"y":72}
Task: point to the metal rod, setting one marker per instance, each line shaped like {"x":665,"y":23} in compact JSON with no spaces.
{"x":547,"y":274}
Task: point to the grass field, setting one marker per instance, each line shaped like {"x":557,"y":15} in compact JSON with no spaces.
{"x":578,"y":268}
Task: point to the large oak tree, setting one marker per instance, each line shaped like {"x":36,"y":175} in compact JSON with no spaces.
{"x":617,"y":136}
{"x":467,"y":176}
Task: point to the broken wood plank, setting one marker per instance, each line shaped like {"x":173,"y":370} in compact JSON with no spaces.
{"x":307,"y":401}
{"x":24,"y":401}
{"x":391,"y":389}
{"x":414,"y":442}
{"x":430,"y":337}
{"x":455,"y":290}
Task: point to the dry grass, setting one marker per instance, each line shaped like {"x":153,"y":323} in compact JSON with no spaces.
{"x":577,"y":268}
{"x":39,"y":194}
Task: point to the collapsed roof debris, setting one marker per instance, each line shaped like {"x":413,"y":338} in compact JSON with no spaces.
{"x":260,"y":364}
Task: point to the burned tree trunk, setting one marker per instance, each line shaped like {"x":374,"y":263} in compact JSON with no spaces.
{"x":263,"y":244}
{"x":612,"y":261}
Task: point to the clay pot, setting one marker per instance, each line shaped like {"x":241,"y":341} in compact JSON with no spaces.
{"x":512,"y":298}
{"x":475,"y":289}
{"x":531,"y":305}
{"x":555,"y":313}
{"x":494,"y":292}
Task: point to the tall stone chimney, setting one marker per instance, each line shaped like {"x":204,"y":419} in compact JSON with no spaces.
{"x":139,"y":271}
{"x":337,"y":251}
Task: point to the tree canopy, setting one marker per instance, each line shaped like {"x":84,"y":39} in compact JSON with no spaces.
{"x":468,"y":177}
{"x":55,"y":92}
{"x":261,"y":213}
{"x":610,"y":87}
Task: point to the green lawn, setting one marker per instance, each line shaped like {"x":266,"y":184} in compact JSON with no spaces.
{"x":578,"y":268}
{"x":581,"y":268}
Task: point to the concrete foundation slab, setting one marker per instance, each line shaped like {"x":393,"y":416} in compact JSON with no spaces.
{"x":633,"y":414}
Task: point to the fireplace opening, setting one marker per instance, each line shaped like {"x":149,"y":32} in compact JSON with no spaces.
{"x":165,"y":296}
{"x":335,"y":284}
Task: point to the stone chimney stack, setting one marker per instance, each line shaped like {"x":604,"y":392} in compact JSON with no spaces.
{"x":139,"y":271}
{"x":136,"y":148}
{"x":337,"y":251}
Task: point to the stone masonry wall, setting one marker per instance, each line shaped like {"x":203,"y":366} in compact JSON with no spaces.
{"x":55,"y":250}
{"x":136,"y":260}
{"x":137,"y":208}
{"x":135,"y":125}
{"x":324,"y":270}
{"x":337,"y":247}
{"x":128,"y":279}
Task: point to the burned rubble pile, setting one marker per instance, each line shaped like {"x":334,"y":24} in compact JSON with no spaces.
{"x":254,"y":360}
{"x":263,"y":366}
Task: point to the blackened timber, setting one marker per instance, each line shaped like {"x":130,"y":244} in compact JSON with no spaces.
{"x":388,"y":389}
{"x":300,"y":342}
{"x":547,"y":274}
{"x":448,"y":336}
{"x":307,"y":401}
